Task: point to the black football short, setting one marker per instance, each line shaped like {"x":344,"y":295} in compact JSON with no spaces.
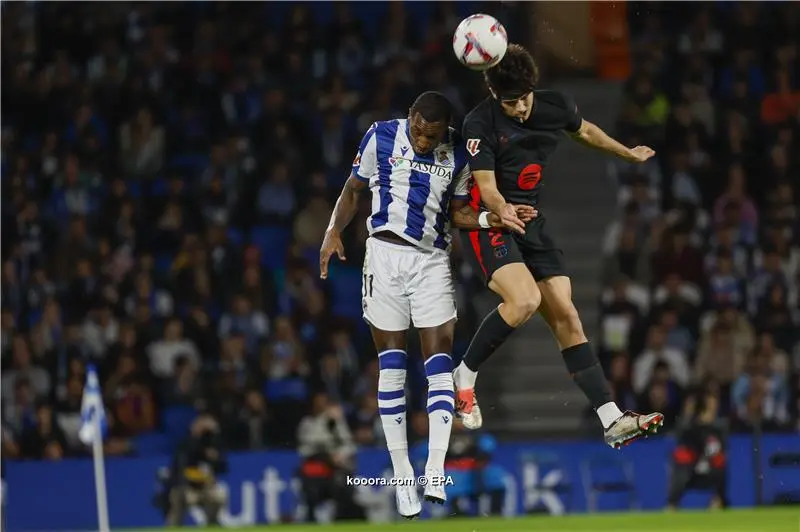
{"x":493,"y":248}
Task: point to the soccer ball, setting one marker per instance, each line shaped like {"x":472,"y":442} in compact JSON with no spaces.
{"x":480,"y":42}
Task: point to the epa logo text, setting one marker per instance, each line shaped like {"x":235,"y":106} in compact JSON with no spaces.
{"x":441,"y":480}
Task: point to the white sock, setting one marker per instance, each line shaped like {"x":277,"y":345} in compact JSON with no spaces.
{"x":401,"y":464}
{"x":441,"y":398}
{"x":435,"y":460}
{"x":392,"y":409}
{"x":609,"y":413}
{"x":465,"y":377}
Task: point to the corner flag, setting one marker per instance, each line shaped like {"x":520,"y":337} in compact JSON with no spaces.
{"x":93,"y":428}
{"x":93,"y":414}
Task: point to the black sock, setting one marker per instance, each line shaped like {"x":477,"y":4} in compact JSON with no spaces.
{"x":585,"y":370}
{"x":490,"y":335}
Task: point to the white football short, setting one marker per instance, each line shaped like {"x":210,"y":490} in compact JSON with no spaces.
{"x":404,"y":284}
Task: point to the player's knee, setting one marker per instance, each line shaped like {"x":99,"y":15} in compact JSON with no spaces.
{"x":532,"y":302}
{"x":525,"y":304}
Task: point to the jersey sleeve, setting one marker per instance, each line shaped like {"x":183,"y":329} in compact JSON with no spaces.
{"x":572,"y":115}
{"x":479,"y":143}
{"x":366,"y":162}
{"x":461,"y":189}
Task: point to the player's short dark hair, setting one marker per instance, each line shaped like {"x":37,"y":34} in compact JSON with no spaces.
{"x":433,"y":106}
{"x":515,"y":75}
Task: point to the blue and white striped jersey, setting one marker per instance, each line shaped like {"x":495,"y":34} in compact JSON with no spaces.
{"x":411,"y":193}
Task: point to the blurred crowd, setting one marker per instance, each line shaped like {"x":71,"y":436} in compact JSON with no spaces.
{"x":166,"y":183}
{"x":702,"y":264}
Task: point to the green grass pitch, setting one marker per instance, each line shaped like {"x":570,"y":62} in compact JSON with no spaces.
{"x":762,"y":520}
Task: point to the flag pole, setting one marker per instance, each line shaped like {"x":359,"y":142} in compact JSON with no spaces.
{"x":91,"y":433}
{"x":100,"y":477}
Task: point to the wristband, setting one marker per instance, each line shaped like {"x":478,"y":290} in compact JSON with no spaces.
{"x":483,"y":220}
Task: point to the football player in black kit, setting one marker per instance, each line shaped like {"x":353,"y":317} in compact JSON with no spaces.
{"x":510,"y":137}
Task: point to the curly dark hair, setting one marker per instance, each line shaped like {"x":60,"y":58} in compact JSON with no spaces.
{"x":515,"y":75}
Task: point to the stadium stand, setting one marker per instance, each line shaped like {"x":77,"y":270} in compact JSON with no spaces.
{"x":702,"y":268}
{"x":166,"y":183}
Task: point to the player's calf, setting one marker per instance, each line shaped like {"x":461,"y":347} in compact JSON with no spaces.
{"x":392,"y":365}
{"x":620,"y":429}
{"x":392,"y":409}
{"x":441,"y":400}
{"x":566,"y":327}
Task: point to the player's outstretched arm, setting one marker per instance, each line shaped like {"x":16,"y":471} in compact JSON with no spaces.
{"x":463,"y":216}
{"x":593,"y":136}
{"x":346,"y":207}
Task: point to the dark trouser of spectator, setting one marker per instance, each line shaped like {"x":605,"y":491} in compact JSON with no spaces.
{"x":210,"y":497}
{"x":461,"y":505}
{"x":684,"y":478}
{"x":347,"y":509}
{"x":321,"y":489}
{"x":486,"y":483}
{"x":316,"y":491}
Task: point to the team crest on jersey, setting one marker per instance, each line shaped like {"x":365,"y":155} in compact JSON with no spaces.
{"x":472,"y":146}
{"x":443,"y":158}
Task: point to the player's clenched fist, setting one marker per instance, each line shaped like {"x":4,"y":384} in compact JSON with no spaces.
{"x":332,"y":243}
{"x":640,"y":154}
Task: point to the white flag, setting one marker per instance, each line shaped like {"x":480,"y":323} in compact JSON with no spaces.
{"x":92,"y":408}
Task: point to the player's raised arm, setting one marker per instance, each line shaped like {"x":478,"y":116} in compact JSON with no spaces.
{"x":364,"y":165}
{"x":593,"y":136}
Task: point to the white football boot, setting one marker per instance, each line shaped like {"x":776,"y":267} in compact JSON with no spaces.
{"x":408,"y":504}
{"x":434,"y":488}
{"x":467,"y":406}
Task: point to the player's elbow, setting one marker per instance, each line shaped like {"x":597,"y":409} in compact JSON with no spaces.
{"x":354,"y":186}
{"x":586,"y":132}
{"x":583,"y":132}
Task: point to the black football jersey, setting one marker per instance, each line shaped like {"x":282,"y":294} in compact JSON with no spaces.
{"x":516,"y":151}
